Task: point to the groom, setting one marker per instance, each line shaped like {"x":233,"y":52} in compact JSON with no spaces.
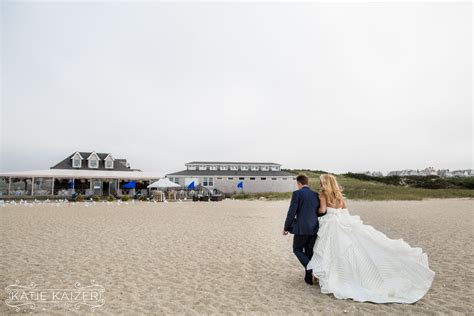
{"x":302,"y":221}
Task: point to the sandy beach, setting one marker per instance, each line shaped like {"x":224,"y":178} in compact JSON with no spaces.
{"x":212,"y":258}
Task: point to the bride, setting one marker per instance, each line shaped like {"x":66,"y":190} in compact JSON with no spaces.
{"x":354,"y":261}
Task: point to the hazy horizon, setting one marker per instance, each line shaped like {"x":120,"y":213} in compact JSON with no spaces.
{"x":327,"y":86}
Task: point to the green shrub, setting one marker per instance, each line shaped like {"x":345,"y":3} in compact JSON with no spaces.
{"x":424,"y":182}
{"x":466,"y":183}
{"x":110,"y":198}
{"x":79,"y":198}
{"x":125,"y":198}
{"x":95,"y":198}
{"x":142,"y":198}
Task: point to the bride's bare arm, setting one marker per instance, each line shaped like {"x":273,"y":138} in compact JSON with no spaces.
{"x":322,"y":204}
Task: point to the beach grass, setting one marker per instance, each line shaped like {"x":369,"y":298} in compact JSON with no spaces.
{"x":357,"y":189}
{"x":366,"y":190}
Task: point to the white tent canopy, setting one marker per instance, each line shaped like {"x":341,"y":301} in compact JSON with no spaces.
{"x":163,"y":184}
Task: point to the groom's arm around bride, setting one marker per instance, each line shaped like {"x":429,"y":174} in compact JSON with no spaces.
{"x":302,"y":221}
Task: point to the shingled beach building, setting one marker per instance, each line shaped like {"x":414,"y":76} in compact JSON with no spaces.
{"x":87,"y":173}
{"x":235,"y":177}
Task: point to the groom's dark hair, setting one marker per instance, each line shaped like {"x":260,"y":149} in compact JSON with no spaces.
{"x":302,"y":178}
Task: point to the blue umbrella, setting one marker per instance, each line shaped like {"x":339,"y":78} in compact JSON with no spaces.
{"x":130,"y":185}
{"x":191,"y":186}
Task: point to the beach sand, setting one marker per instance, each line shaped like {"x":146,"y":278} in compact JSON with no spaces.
{"x":218,"y":257}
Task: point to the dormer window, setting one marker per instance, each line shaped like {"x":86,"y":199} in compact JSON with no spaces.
{"x":192,"y":167}
{"x":109,"y":162}
{"x":77,"y":160}
{"x":254,"y":168}
{"x":202,"y":167}
{"x":244,"y":168}
{"x":213,"y":168}
{"x":234,"y":168}
{"x":76,"y":163}
{"x":223,"y":168}
{"x":93,"y":160}
{"x":265,"y":168}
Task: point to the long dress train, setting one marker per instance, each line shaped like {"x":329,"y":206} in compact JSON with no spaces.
{"x":355,"y":261}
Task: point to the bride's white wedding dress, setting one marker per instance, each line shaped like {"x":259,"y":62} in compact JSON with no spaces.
{"x":355,"y":261}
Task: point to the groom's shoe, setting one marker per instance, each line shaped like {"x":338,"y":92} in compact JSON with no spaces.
{"x":308,"y":278}
{"x":315,"y":280}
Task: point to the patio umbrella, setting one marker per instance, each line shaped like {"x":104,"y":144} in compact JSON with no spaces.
{"x":164,"y":183}
{"x":130,"y":185}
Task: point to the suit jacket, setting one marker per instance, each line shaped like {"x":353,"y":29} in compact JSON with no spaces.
{"x":302,"y":218}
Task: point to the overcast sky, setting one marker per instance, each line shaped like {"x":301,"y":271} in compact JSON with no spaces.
{"x":338,"y":87}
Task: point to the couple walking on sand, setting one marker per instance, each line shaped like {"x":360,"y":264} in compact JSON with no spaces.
{"x":347,"y":258}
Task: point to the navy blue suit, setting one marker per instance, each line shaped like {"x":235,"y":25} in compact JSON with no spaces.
{"x":302,"y":221}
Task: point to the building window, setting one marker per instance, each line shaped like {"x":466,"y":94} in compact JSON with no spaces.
{"x":219,"y":178}
{"x":283,"y":178}
{"x":294,"y":178}
{"x":213,"y":168}
{"x":252,"y":178}
{"x":77,"y":163}
{"x":244,"y":168}
{"x":207,"y":182}
{"x":97,"y":187}
{"x":192,"y":167}
{"x":77,"y":160}
{"x":241,"y":178}
{"x":274,"y":178}
{"x":223,"y":168}
{"x":230,"y":178}
{"x":265,"y":168}
{"x":263,"y":178}
{"x":202,"y":167}
{"x":109,"y":162}
{"x":93,"y":160}
{"x":234,"y":168}
{"x":254,"y":168}
{"x":93,"y":163}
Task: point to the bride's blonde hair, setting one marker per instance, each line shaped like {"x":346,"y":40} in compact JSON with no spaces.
{"x":331,"y":189}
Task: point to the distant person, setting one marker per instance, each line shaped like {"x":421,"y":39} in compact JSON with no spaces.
{"x":355,"y":261}
{"x":302,"y":222}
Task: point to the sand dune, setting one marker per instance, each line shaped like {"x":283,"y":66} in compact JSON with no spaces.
{"x":227,"y":257}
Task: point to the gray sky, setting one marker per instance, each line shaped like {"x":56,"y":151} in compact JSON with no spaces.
{"x":338,"y":87}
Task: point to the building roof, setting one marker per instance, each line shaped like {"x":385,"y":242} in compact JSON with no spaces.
{"x":231,"y":163}
{"x":85,"y":174}
{"x":119,"y":164}
{"x":231,"y":173}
